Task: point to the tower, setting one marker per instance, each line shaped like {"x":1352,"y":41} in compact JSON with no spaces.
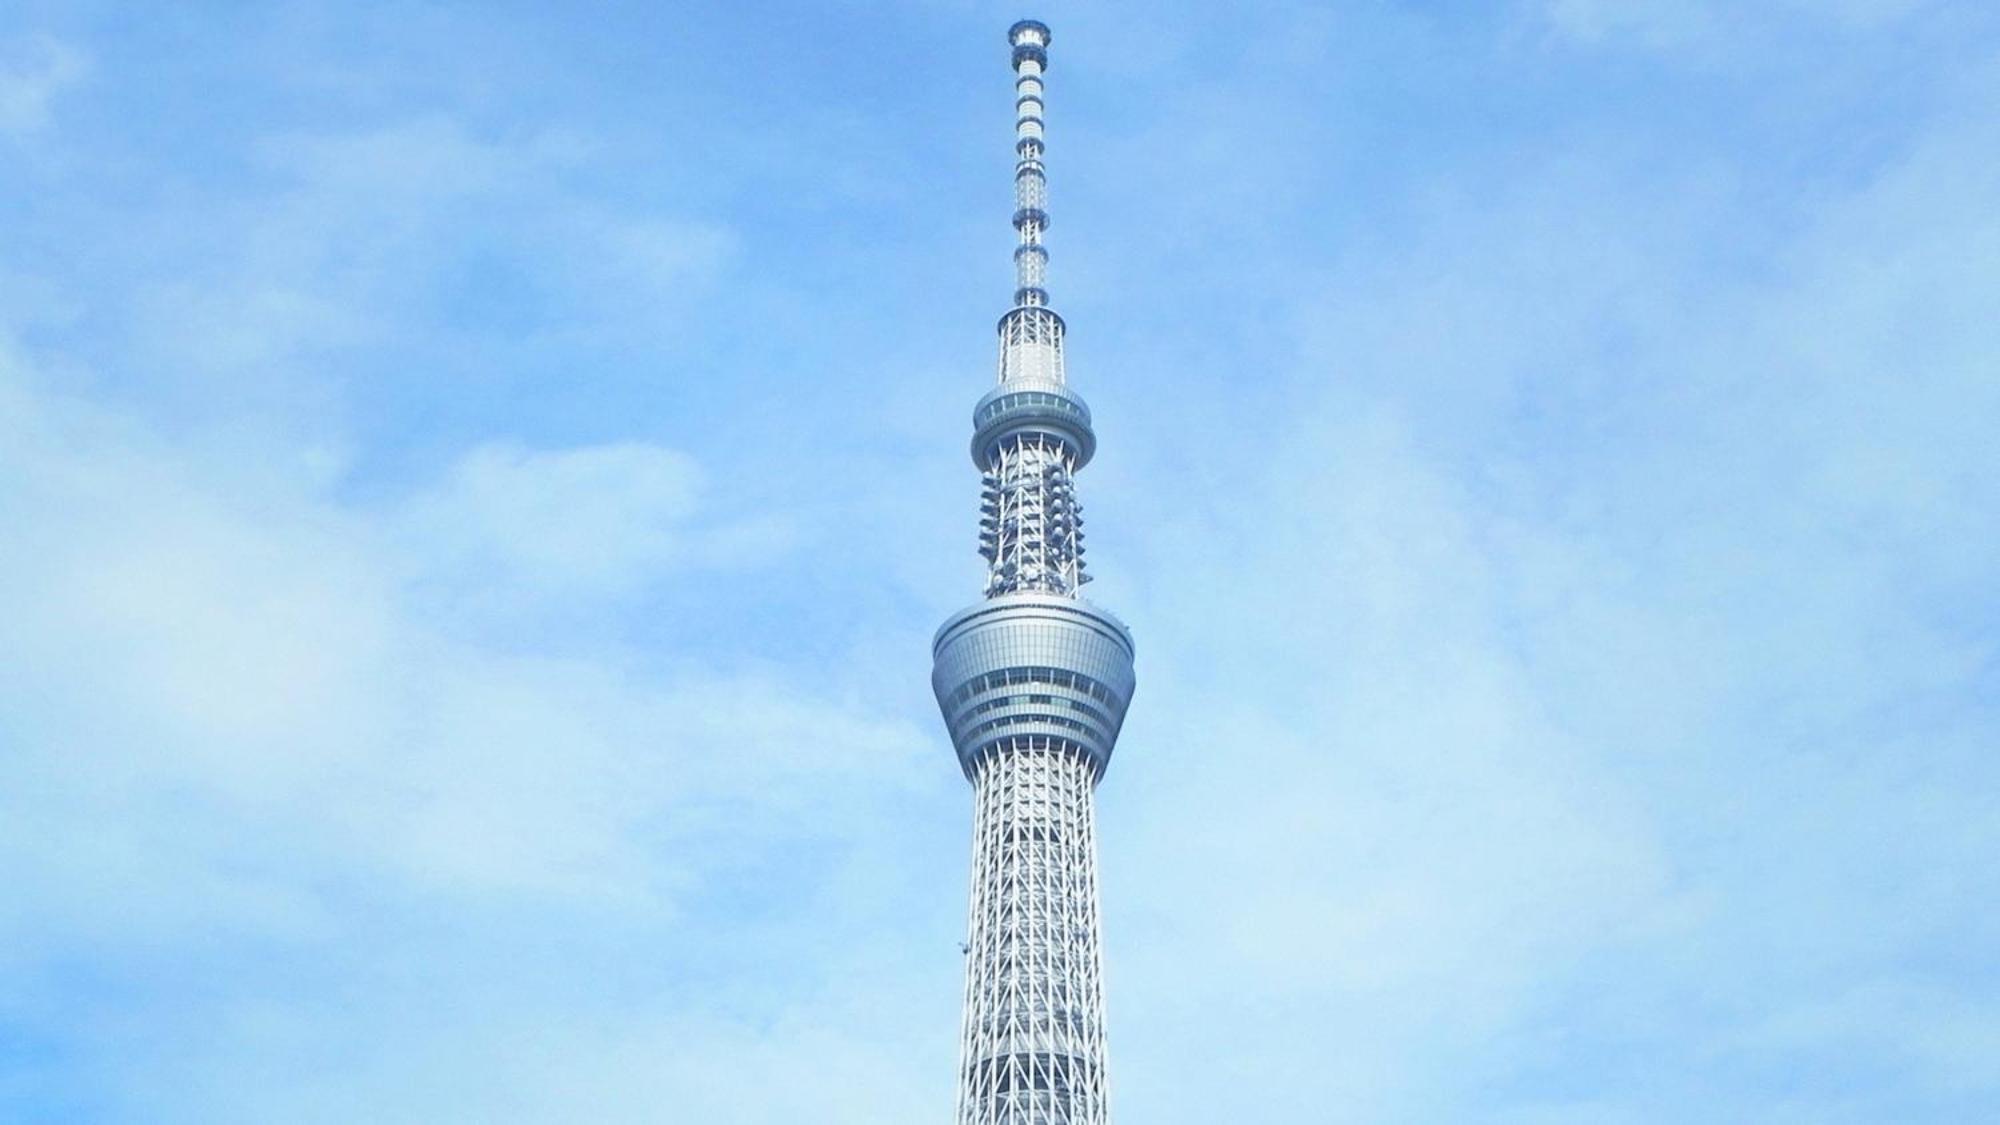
{"x":1033,"y":683}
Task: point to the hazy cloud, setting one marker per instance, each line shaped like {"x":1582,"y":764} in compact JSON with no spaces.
{"x":34,"y":69}
{"x":1715,"y":23}
{"x":1551,"y":513}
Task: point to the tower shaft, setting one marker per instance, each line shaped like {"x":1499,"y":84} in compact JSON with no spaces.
{"x":1033,"y":683}
{"x":1032,"y":1048}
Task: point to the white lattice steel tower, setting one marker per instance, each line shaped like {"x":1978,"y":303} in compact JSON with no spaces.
{"x":1033,"y":683}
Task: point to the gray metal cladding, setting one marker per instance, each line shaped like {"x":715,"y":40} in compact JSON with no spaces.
{"x":1032,"y":408}
{"x":1033,"y":665}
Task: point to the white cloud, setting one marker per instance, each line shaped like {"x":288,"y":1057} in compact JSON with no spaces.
{"x":33,"y":71}
{"x":1715,"y":24}
{"x":234,"y":676}
{"x":1563,"y":703}
{"x":605,"y":517}
{"x":509,"y":529}
{"x":410,"y":237}
{"x":1376,"y":828}
{"x":1591,"y":653}
{"x":1952,"y":1039}
{"x":232,"y":725}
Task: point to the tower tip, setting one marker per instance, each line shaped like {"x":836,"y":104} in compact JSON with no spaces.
{"x":1030,"y":39}
{"x":1026,"y":32}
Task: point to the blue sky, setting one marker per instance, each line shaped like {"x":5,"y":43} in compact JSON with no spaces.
{"x":479,"y":483}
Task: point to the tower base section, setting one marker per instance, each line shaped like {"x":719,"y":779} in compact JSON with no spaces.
{"x":1032,"y":1051}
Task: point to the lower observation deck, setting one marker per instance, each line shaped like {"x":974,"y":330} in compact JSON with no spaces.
{"x":1036,"y":666}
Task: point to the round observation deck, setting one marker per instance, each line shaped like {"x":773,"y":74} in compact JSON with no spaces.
{"x":1034,"y":666}
{"x":1024,"y":406}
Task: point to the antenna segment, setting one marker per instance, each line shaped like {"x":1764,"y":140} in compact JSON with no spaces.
{"x":1031,"y":186}
{"x":1031,"y":333}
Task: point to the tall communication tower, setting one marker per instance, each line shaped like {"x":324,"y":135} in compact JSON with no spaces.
{"x":1033,"y":682}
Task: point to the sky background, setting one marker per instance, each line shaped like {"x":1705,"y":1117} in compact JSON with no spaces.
{"x":478,"y":483}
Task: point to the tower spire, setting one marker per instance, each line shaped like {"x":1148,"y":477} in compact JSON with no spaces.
{"x":1030,"y":40}
{"x":1031,"y":334}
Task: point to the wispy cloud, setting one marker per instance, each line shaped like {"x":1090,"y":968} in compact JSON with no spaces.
{"x":1707,"y":23}
{"x":34,"y":70}
{"x":1551,"y":514}
{"x":234,"y":723}
{"x":1594,"y":639}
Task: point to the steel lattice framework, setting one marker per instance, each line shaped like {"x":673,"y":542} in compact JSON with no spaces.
{"x":1033,"y":683}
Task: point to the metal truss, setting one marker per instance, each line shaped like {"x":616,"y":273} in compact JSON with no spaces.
{"x":1032,"y":1051}
{"x":1031,"y":525}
